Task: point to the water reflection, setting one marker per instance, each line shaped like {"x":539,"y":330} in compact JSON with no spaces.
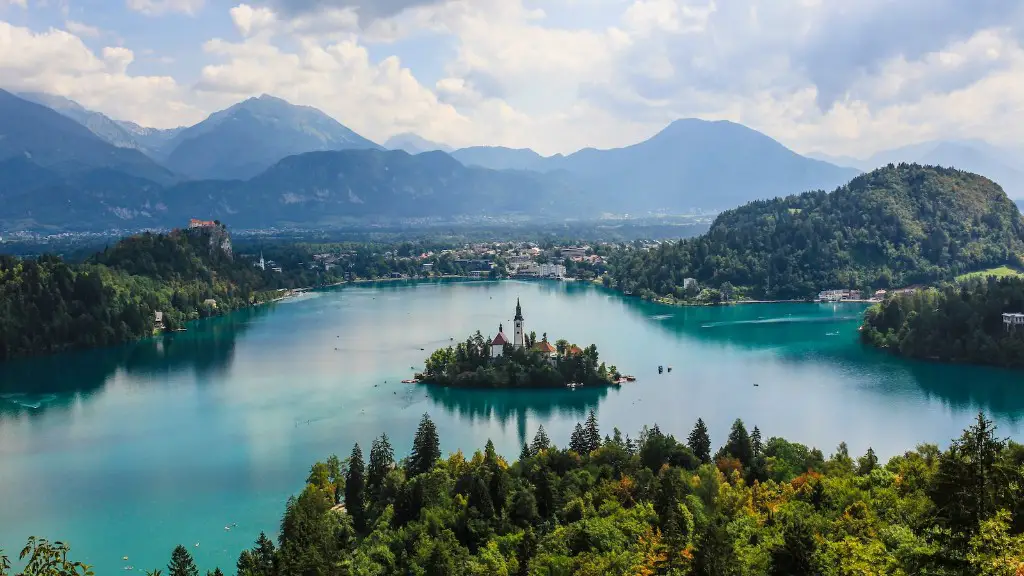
{"x":206,"y":351}
{"x":513,"y":406}
{"x":827,"y":334}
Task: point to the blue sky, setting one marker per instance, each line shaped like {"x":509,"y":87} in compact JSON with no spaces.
{"x":555,"y":75}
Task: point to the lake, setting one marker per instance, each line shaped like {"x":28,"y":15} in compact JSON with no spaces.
{"x":133,"y":450}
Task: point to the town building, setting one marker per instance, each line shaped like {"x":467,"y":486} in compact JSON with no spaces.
{"x":158,"y":320}
{"x":832,"y":295}
{"x":574,"y":252}
{"x":532,"y":270}
{"x":1013,"y":321}
{"x":688,"y":282}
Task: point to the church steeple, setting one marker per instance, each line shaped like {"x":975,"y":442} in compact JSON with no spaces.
{"x":518,"y":338}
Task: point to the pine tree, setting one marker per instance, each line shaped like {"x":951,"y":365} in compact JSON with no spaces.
{"x":541,"y":441}
{"x":525,"y":453}
{"x":867,"y":462}
{"x":592,"y":435}
{"x":795,"y":556}
{"x":382,"y":459}
{"x":261,"y":560}
{"x":700,"y":442}
{"x":181,"y":563}
{"x":215,"y":572}
{"x":738,"y":445}
{"x":755,"y":442}
{"x":578,"y":442}
{"x":426,"y":449}
{"x":355,"y":481}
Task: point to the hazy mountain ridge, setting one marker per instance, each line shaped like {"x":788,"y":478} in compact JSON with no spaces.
{"x":249,"y":137}
{"x":313,"y":189}
{"x":55,"y":141}
{"x":690,"y":164}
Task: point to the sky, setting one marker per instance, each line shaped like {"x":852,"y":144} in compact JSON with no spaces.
{"x":842,"y":77}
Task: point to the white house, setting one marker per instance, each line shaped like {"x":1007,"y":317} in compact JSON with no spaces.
{"x":1013,"y":320}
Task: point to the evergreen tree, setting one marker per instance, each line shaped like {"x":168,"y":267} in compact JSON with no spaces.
{"x":970,"y":485}
{"x":261,"y":560}
{"x":738,"y":445}
{"x":578,"y":443}
{"x":525,"y":453}
{"x":426,"y":449}
{"x":715,"y":553}
{"x":867,"y":462}
{"x":700,"y":442}
{"x":540,"y":441}
{"x":592,"y":435}
{"x":355,"y":481}
{"x":755,"y":442}
{"x":181,"y":563}
{"x":214,"y":572}
{"x":335,"y":477}
{"x":382,"y":459}
{"x":795,"y":556}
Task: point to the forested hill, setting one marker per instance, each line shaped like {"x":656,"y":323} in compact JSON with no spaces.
{"x":961,"y":322}
{"x":895,"y":226}
{"x":48,"y":305}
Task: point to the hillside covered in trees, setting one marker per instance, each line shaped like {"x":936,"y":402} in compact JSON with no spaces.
{"x":615,"y":506}
{"x":959,"y":322}
{"x":893,"y":227}
{"x":49,"y":305}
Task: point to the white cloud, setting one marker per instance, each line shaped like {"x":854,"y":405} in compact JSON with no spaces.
{"x":558,"y":75}
{"x":20,"y":3}
{"x":58,"y":62}
{"x":157,"y":7}
{"x":80,"y":29}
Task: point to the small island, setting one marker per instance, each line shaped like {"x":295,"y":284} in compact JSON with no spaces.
{"x":523,"y":362}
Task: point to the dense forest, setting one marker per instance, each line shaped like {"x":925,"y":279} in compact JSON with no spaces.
{"x":893,"y":227}
{"x":959,"y":322}
{"x":48,"y":305}
{"x":612,"y":505}
{"x":537,"y":365}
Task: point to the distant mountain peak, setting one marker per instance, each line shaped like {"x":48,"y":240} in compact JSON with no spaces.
{"x":414,"y":144}
{"x":252,"y":135}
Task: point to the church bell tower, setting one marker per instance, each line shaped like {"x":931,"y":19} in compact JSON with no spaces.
{"x":518,"y":340}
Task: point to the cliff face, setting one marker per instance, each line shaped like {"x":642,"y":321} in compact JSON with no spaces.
{"x":216,"y":237}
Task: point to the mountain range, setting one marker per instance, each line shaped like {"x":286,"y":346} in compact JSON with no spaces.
{"x":265,"y":162}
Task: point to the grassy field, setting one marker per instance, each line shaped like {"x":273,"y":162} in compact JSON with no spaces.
{"x":999,"y":272}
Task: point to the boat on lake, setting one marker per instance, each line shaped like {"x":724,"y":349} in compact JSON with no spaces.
{"x":410,"y":381}
{"x":661,"y":369}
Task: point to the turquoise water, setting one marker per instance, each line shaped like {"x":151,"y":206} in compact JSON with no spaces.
{"x":131,"y":451}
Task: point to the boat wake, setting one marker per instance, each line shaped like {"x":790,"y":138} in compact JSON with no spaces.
{"x":661,"y":316}
{"x":785,"y":320}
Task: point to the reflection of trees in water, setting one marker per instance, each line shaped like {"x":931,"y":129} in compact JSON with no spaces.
{"x":206,"y":349}
{"x":970,"y":388}
{"x":513,"y":406}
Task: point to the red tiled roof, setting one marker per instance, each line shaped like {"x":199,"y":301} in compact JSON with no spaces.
{"x":575,"y":350}
{"x":499,"y":340}
{"x":543,"y":346}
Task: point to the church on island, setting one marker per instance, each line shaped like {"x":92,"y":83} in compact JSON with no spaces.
{"x":518,"y":338}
